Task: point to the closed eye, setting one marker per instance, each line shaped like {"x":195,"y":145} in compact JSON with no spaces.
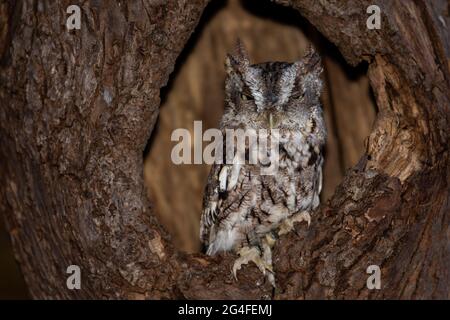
{"x":297,"y":95}
{"x":246,"y":96}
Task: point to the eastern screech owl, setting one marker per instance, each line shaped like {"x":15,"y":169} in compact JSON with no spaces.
{"x":243,"y":210}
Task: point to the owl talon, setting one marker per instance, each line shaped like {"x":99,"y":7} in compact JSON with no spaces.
{"x":246,"y":255}
{"x":253,"y":254}
{"x":263,"y":260}
{"x":288,"y":224}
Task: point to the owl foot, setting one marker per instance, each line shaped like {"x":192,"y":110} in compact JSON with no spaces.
{"x":288,"y":224}
{"x":263,"y":260}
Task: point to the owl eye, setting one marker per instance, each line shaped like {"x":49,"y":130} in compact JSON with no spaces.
{"x":246,"y":97}
{"x":296,"y":96}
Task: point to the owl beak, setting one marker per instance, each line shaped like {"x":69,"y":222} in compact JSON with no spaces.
{"x":271,"y":121}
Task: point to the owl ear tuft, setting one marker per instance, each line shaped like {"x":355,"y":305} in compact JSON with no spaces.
{"x":310,"y":62}
{"x":241,"y":53}
{"x":240,"y":60}
{"x":309,"y":71}
{"x":231,"y":65}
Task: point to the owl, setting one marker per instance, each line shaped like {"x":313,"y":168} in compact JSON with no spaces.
{"x":244,"y":208}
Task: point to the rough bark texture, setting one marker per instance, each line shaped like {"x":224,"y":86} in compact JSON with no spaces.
{"x":77,"y":109}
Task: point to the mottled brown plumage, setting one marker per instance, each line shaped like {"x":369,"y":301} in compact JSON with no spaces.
{"x":242,"y":207}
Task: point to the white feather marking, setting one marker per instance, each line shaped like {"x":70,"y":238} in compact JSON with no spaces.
{"x":251,"y":78}
{"x":319,"y":170}
{"x":234,"y":176}
{"x":224,"y":241}
{"x":223,"y":175}
{"x":286,"y":83}
{"x":292,"y":195}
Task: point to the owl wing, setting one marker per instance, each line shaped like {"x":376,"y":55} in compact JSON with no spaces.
{"x":221,"y":194}
{"x":317,"y":140}
{"x":210,"y":203}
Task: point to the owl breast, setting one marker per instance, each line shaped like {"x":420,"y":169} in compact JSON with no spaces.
{"x":255,"y":204}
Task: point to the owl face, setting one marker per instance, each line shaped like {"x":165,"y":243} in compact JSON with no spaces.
{"x":272,"y":94}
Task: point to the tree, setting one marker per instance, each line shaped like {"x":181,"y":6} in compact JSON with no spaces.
{"x":79,"y":106}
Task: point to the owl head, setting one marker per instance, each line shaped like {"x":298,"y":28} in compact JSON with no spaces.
{"x":272,"y":87}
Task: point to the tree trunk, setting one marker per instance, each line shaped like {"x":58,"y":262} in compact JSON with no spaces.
{"x":78,"y":107}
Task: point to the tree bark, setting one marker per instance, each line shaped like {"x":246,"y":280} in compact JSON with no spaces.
{"x":78,"y":107}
